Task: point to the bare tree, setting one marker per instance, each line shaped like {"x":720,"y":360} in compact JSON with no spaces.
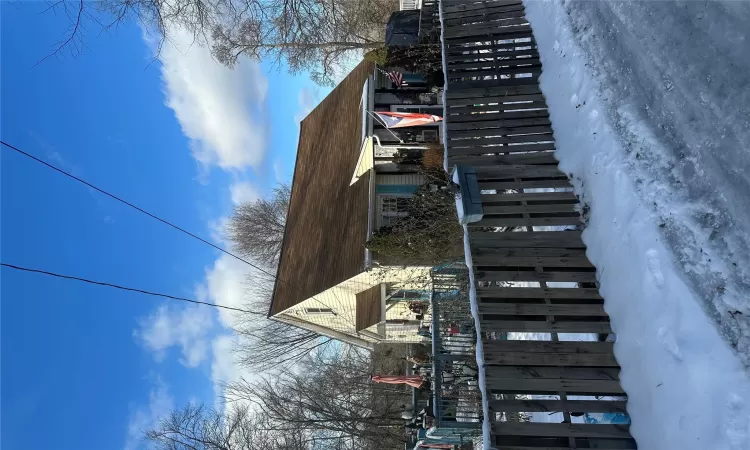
{"x":162,"y":17}
{"x":197,"y":427}
{"x":308,"y":35}
{"x":257,"y":228}
{"x":313,"y":35}
{"x":331,"y":393}
{"x":268,"y":344}
{"x":329,"y":404}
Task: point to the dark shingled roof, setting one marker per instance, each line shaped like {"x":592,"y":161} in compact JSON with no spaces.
{"x":326,"y":226}
{"x":368,"y":308}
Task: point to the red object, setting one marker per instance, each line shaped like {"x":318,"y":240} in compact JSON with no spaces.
{"x":399,"y":120}
{"x":412,"y":380}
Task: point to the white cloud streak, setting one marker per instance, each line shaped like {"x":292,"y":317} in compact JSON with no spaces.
{"x":243,"y":192}
{"x":226,"y":284}
{"x":192,"y":329}
{"x":308,"y":99}
{"x":221,"y":110}
{"x":278,"y":172}
{"x":186,"y":328}
{"x":144,"y":417}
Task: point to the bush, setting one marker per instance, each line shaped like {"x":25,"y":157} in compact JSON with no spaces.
{"x":433,"y":157}
{"x":378,"y":56}
{"x":424,"y":59}
{"x":430,"y":234}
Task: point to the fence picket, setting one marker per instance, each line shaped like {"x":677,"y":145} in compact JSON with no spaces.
{"x":498,"y":124}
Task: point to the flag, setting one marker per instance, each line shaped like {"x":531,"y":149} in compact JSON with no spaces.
{"x":415,"y":381}
{"x":398,"y":120}
{"x":397,"y":78}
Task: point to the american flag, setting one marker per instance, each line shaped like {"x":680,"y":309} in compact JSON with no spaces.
{"x":396,"y":77}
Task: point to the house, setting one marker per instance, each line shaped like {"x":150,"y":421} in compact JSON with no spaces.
{"x":351,"y":177}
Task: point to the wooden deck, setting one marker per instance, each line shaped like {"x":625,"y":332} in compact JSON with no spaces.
{"x":497,"y":122}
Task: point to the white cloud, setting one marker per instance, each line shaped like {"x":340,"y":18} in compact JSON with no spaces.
{"x":308,"y":99}
{"x":278,"y":171}
{"x":191,"y":329}
{"x":224,"y":367}
{"x":226,"y":284}
{"x":186,"y":328}
{"x":243,"y":192}
{"x":218,"y":231}
{"x":145,"y":417}
{"x":221,"y":110}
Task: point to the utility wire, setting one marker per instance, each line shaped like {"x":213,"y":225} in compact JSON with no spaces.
{"x":125,"y":288}
{"x":153,"y":216}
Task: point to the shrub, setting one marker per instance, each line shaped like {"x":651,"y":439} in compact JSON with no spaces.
{"x":432,"y":158}
{"x":430,"y":234}
{"x":378,"y":56}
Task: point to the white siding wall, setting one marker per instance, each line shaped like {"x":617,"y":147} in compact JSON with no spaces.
{"x":342,"y":300}
{"x":399,"y":178}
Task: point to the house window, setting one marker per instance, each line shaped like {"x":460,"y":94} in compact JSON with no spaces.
{"x":318,"y":311}
{"x":407,"y":295}
{"x":392,"y":208}
{"x":429,"y":136}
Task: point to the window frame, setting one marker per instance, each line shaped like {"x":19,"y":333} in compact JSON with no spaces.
{"x":385,"y":218}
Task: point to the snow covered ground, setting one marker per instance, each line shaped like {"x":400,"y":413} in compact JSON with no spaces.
{"x":650,"y":103}
{"x":674,"y":83}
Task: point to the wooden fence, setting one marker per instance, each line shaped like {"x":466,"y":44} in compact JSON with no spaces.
{"x":497,"y":123}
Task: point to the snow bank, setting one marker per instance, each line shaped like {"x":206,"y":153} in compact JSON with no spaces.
{"x":687,"y":389}
{"x":486,"y":439}
{"x":675,"y":88}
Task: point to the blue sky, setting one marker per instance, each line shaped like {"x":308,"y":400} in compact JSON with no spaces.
{"x":182,"y":137}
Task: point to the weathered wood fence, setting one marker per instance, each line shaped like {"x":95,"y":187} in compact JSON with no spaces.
{"x":497,"y":123}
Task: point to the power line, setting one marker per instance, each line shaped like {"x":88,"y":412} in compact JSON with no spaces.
{"x":153,"y":216}
{"x":125,"y":288}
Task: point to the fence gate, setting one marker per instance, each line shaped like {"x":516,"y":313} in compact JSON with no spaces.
{"x":536,"y":287}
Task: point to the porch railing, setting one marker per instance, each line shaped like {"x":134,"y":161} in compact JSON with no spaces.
{"x":456,"y":396}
